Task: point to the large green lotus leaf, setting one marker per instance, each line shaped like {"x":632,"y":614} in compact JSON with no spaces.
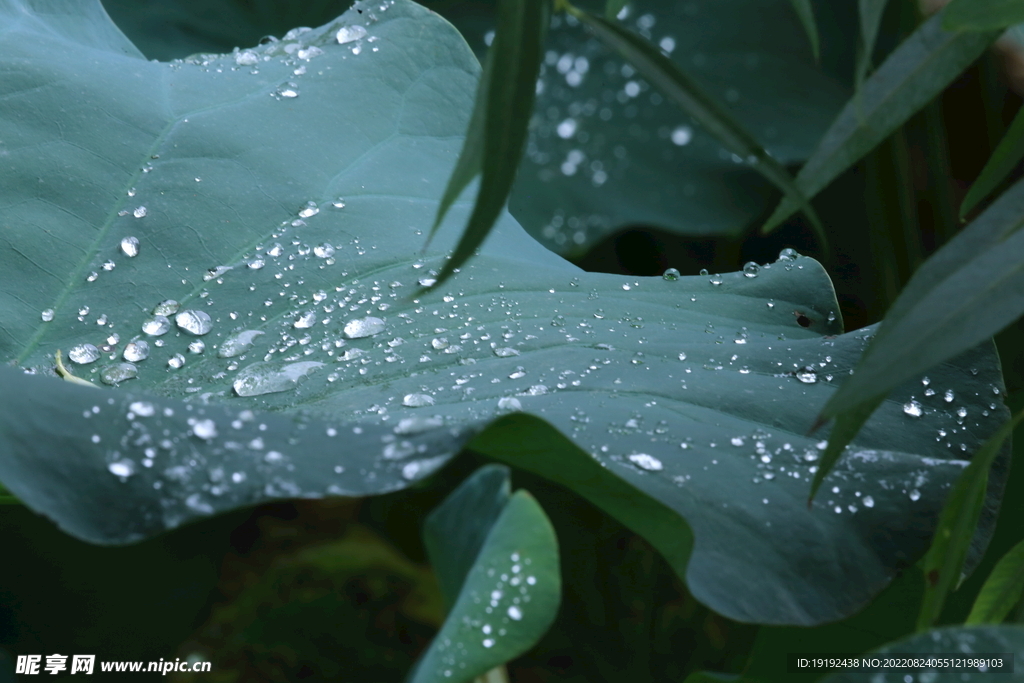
{"x":697,"y":392}
{"x":607,"y":151}
{"x":954,"y":642}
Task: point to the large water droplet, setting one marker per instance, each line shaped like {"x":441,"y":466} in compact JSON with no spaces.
{"x":363,"y":327}
{"x":417,"y":400}
{"x":948,"y":396}
{"x":788,"y":254}
{"x":237,"y":344}
{"x":176,"y":361}
{"x":156,"y":326}
{"x":247,"y":58}
{"x":645,"y":461}
{"x":323,"y":250}
{"x":136,"y":350}
{"x":751,"y":269}
{"x":309,"y":210}
{"x":807,"y":375}
{"x":197,"y":346}
{"x":140,"y":212}
{"x":515,"y":613}
{"x":505,"y":352}
{"x":346,"y":34}
{"x":670,"y":274}
{"x":83,"y":353}
{"x":166,"y":307}
{"x":913,"y":409}
{"x":307,"y":319}
{"x":269,"y":377}
{"x":47,"y":315}
{"x":509,"y":403}
{"x":194,"y":322}
{"x":868,"y":501}
{"x":130,"y":246}
{"x":117,"y":373}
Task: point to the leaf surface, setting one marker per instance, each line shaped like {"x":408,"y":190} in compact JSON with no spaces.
{"x":694,"y":395}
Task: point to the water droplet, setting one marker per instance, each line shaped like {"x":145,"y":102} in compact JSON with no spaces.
{"x":338,"y":203}
{"x":122,"y":468}
{"x":47,"y":315}
{"x":363,"y":327}
{"x":682,"y":135}
{"x":309,"y":210}
{"x":751,"y":269}
{"x":715,"y":279}
{"x":682,"y":356}
{"x":323,"y":251}
{"x":197,"y":346}
{"x":83,"y":353}
{"x":505,"y":352}
{"x":194,"y":322}
{"x":515,"y":613}
{"x":166,"y":307}
{"x":246,"y":58}
{"x":915,"y":495}
{"x":417,"y":400}
{"x":307,"y":319}
{"x":176,"y":361}
{"x":670,"y":274}
{"x":156,"y":326}
{"x":346,"y":34}
{"x":136,"y":350}
{"x":788,"y":254}
{"x":130,"y":246}
{"x":948,"y":396}
{"x":237,"y":344}
{"x":109,"y":266}
{"x":269,"y":377}
{"x":488,"y":642}
{"x":140,"y":212}
{"x":868,"y":501}
{"x":807,"y":375}
{"x":117,"y":373}
{"x":426,"y":281}
{"x":509,"y":403}
{"x":287,"y":91}
{"x":416,"y":425}
{"x":205,"y":429}
{"x":913,"y":409}
{"x":645,"y":461}
{"x":566,"y":129}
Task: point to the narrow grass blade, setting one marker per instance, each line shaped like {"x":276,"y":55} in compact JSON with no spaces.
{"x":1006,"y":156}
{"x":945,"y":559}
{"x":1002,"y":590}
{"x":805,"y":12}
{"x":664,"y":75}
{"x":983,"y":15}
{"x":613,"y":7}
{"x":502,"y":112}
{"x":846,"y":426}
{"x":918,"y":70}
{"x":870,"y":19}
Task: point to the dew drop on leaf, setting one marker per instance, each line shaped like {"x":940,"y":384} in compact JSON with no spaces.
{"x":198,"y":346}
{"x":270,"y":377}
{"x":117,"y":373}
{"x":237,"y":344}
{"x":347,"y":34}
{"x":647,"y":462}
{"x":130,"y":246}
{"x":912,"y":408}
{"x":166,"y":307}
{"x":47,"y":315}
{"x":83,"y":353}
{"x":156,"y":326}
{"x":205,"y":429}
{"x":670,"y":274}
{"x":176,"y":361}
{"x":194,"y":322}
{"x":363,"y":327}
{"x":136,"y":350}
{"x":751,"y":269}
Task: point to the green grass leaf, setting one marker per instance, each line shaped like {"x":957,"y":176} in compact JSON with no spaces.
{"x":982,"y":15}
{"x":1006,"y":156}
{"x":805,"y":11}
{"x":689,"y":96}
{"x":508,"y":577}
{"x":918,"y":70}
{"x":498,"y":126}
{"x":1002,"y":590}
{"x":870,"y":14}
{"x":944,"y":562}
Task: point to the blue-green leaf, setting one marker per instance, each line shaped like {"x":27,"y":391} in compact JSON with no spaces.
{"x":510,"y":592}
{"x":687,"y":94}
